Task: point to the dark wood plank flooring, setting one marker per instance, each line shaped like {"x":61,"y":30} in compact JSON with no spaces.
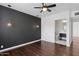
{"x":43,"y":48}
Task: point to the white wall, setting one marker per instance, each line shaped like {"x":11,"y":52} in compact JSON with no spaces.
{"x":59,"y":25}
{"x":75,"y":29}
{"x":48,"y":26}
{"x":47,"y":29}
{"x":75,"y":26}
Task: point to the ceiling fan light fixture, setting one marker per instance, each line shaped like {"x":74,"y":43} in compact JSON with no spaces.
{"x":44,"y":9}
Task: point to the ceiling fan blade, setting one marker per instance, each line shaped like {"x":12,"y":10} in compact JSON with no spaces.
{"x":49,"y":10}
{"x":51,"y":6}
{"x":37,"y":7}
{"x":41,"y":11}
{"x":44,"y":4}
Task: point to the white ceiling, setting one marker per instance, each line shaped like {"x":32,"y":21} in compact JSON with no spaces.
{"x":29,"y":8}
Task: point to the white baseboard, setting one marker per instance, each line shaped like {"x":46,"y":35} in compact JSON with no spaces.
{"x":7,"y":49}
{"x":67,"y":45}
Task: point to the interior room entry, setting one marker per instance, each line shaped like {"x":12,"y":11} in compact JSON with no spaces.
{"x":60,"y":31}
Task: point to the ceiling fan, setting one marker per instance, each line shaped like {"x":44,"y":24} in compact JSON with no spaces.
{"x":45,"y":7}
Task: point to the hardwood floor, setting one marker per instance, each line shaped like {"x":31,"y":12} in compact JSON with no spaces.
{"x":43,"y":48}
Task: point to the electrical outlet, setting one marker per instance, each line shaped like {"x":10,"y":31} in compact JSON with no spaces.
{"x":2,"y":46}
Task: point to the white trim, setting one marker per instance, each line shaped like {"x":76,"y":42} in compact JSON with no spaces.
{"x":67,"y":45}
{"x":7,"y":49}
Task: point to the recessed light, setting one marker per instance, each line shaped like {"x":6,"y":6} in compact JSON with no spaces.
{"x":9,"y":5}
{"x":64,"y":21}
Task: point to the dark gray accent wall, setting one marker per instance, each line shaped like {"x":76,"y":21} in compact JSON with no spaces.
{"x":23,"y":27}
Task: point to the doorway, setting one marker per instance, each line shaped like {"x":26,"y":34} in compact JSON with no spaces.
{"x":60,"y":31}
